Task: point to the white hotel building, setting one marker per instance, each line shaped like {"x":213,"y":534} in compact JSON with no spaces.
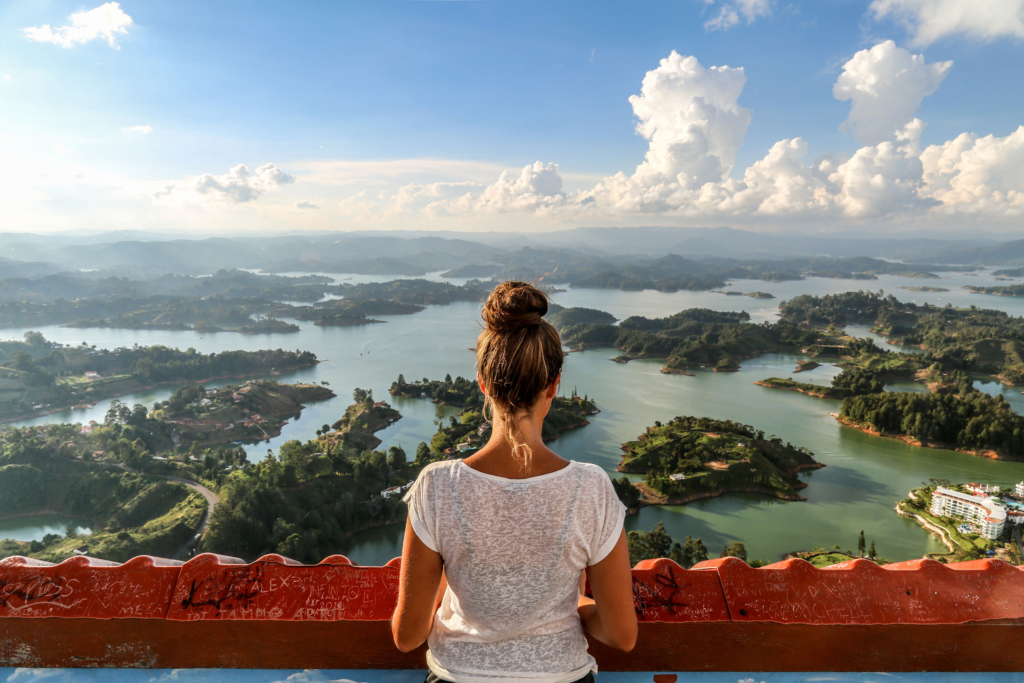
{"x":985,"y":513}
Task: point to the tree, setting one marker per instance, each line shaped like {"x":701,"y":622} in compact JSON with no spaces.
{"x":396,"y":457}
{"x":649,"y":545}
{"x":871,"y":551}
{"x":627,"y":493}
{"x":422,"y":453}
{"x":683,"y":556}
{"x":735,"y":549}
{"x":861,"y":545}
{"x":700,"y":552}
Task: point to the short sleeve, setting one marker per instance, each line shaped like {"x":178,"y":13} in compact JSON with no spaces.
{"x":421,"y":511}
{"x":612,"y":515}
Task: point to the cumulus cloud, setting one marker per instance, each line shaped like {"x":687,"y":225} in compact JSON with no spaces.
{"x":144,"y":130}
{"x":239,"y":185}
{"x":104,"y":22}
{"x":729,"y":13}
{"x":930,"y":20}
{"x":691,"y":117}
{"x":972,"y":175}
{"x":885,"y":85}
{"x":306,"y":205}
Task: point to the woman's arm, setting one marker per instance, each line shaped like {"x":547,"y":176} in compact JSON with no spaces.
{"x":610,"y":616}
{"x":418,"y":591}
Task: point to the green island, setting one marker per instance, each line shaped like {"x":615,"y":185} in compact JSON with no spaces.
{"x":417,"y":292}
{"x":960,"y":537}
{"x":1009,"y":272}
{"x":39,"y":377}
{"x":690,"y":458}
{"x":925,"y":289}
{"x":849,"y":382}
{"x":346,"y":312}
{"x":562,"y":318}
{"x":463,"y":434}
{"x":971,"y":422}
{"x":755,"y":295}
{"x":1002,"y":290}
{"x":694,"y":337}
{"x":978,"y":341}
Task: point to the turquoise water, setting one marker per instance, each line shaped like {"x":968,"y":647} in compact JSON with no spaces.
{"x":863,"y":478}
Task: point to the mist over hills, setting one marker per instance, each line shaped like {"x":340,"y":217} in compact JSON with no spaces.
{"x":406,"y":253}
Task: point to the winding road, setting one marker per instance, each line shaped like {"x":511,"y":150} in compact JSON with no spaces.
{"x":211,"y":503}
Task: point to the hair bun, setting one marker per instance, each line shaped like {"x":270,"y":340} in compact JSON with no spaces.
{"x":514,"y":305}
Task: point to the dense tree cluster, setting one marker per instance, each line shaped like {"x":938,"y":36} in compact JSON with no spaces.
{"x":656,"y":543}
{"x":974,"y":421}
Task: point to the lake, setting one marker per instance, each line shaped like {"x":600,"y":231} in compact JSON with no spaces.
{"x":863,"y":478}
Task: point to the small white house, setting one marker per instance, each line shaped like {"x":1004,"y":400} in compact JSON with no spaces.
{"x":678,"y":476}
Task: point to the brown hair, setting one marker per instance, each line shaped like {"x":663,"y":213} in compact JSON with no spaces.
{"x":518,"y":354}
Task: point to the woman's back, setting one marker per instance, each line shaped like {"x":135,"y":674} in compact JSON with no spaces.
{"x":513,"y":551}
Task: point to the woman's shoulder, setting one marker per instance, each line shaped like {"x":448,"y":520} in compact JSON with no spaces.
{"x":441,"y":468}
{"x":592,"y":473}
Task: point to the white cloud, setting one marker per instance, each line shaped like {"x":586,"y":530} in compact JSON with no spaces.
{"x":885,"y":86}
{"x":6,"y":78}
{"x":730,"y":12}
{"x":63,"y":150}
{"x":930,"y":20}
{"x":105,"y":22}
{"x":977,"y":175}
{"x":144,"y":130}
{"x":694,"y":125}
{"x":239,"y":185}
{"x":306,"y":205}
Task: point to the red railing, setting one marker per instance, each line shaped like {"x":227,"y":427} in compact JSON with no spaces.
{"x":216,"y":611}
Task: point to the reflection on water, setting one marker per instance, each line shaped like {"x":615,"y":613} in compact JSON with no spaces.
{"x":34,"y":527}
{"x":857,"y":490}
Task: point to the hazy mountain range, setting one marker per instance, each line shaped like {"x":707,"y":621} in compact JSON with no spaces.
{"x":142,"y":254}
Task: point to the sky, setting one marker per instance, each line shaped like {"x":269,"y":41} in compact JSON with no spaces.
{"x":819,"y":116}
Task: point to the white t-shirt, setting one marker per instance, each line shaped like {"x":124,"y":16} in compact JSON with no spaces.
{"x":513,"y":550}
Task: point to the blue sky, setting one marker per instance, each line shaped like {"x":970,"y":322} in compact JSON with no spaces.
{"x":404,"y":114}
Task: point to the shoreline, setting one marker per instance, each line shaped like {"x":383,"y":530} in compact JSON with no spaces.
{"x":649,"y":498}
{"x":911,"y":441}
{"x":928,"y":526}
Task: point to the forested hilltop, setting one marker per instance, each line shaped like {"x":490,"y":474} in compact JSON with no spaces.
{"x":131,"y":514}
{"x":38,"y":376}
{"x":306,"y":501}
{"x":690,"y":458}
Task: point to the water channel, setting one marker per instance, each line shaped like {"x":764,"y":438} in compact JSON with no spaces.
{"x":863,"y":478}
